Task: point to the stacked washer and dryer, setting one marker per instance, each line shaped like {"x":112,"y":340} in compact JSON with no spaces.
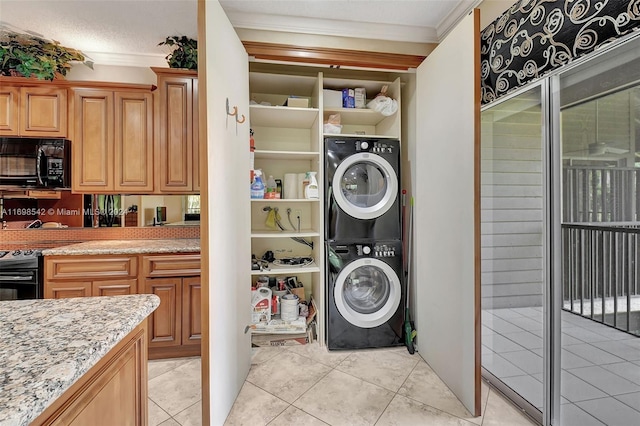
{"x":363,"y":234}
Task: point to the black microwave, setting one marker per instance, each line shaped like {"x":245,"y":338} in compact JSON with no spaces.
{"x":35,"y":163}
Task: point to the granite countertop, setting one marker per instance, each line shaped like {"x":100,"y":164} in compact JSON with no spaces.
{"x":48,"y":344}
{"x":184,"y":245}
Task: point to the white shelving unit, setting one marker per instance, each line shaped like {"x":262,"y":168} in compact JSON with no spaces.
{"x":364,"y":122}
{"x":289,"y":140}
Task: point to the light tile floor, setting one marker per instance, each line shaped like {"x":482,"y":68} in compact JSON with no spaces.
{"x":372,"y":387}
{"x":600,"y":379}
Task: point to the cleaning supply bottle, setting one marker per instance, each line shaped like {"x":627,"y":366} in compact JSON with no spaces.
{"x":311,"y":190}
{"x":252,"y":148}
{"x":270,"y":191}
{"x":257,"y":187}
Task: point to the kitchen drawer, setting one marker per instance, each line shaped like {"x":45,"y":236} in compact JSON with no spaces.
{"x":174,"y":265}
{"x":68,"y":267}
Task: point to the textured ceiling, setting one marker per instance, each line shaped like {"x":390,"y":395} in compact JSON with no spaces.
{"x":127,"y":32}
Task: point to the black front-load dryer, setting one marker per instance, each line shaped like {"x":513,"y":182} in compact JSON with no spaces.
{"x":362,"y":186}
{"x":365,"y":295}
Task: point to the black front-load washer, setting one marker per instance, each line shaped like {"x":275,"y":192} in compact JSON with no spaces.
{"x":365,"y":295}
{"x":362,"y":187}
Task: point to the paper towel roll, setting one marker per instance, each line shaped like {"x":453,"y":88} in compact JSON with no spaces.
{"x":301,"y":177}
{"x":290,"y":185}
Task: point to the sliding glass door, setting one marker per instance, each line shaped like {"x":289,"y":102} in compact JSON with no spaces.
{"x":512,"y":247}
{"x":600,"y":145}
{"x":561,"y":243}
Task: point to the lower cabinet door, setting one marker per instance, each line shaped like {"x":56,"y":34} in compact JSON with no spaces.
{"x":191,"y":312}
{"x":115,"y":287}
{"x":165,"y":322}
{"x":67,"y":289}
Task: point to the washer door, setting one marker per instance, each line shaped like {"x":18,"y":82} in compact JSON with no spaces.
{"x":365,"y":186}
{"x":367,"y":292}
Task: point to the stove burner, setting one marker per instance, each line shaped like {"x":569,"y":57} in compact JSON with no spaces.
{"x":23,"y":258}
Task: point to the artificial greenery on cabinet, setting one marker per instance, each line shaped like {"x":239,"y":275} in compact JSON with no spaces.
{"x":185,"y":53}
{"x":27,"y":55}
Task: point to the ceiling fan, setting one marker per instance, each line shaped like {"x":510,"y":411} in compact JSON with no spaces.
{"x":600,"y":148}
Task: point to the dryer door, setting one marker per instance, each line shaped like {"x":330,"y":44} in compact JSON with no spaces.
{"x":365,"y":186}
{"x":367,"y":292}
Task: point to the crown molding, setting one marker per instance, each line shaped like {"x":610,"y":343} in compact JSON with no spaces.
{"x":332,"y":57}
{"x":127,"y":59}
{"x":333,"y":27}
{"x":453,"y":17}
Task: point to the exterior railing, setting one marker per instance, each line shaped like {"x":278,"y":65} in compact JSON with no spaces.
{"x":601,"y":273}
{"x":600,"y":194}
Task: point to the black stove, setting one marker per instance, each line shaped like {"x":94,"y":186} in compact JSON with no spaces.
{"x":22,"y":258}
{"x":21,"y":274}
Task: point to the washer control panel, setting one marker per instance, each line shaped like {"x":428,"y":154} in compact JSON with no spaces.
{"x":375,"y":146}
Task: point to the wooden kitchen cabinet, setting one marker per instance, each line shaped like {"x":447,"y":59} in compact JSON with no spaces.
{"x":178,"y":168}
{"x":175,"y":327}
{"x":192,"y":313}
{"x":64,"y":290}
{"x":83,"y":276}
{"x":114,"y":287}
{"x":164,"y":323}
{"x":114,"y":391}
{"x":39,"y":111}
{"x":112,"y":141}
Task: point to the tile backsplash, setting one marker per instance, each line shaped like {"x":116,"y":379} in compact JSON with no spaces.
{"x":48,"y":238}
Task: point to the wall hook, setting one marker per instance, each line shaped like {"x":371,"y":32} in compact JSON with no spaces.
{"x":235,"y":109}
{"x":240,"y":121}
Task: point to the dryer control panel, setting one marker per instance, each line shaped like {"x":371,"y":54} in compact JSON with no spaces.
{"x":377,"y":250}
{"x":375,"y":146}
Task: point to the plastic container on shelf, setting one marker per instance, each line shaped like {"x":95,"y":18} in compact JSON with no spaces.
{"x":271,"y":188}
{"x":257,"y":187}
{"x":311,"y":189}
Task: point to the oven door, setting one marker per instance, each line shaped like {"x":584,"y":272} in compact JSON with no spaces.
{"x":20,"y":284}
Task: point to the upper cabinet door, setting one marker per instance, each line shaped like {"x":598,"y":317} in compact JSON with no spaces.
{"x":92,"y":148}
{"x":446,"y":234}
{"x":9,"y":110}
{"x":195,"y":139}
{"x":176,"y":134}
{"x":43,"y":111}
{"x":226,"y":244}
{"x":133,"y":142}
{"x":33,"y":111}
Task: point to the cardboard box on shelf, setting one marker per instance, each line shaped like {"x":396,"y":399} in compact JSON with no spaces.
{"x":360,"y":97}
{"x":348,"y":98}
{"x":332,"y":98}
{"x":298,"y":102}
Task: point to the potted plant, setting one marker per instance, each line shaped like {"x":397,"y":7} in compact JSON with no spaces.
{"x":185,"y":54}
{"x":31,"y":56}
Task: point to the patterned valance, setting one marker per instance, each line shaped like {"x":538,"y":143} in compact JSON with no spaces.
{"x":534,"y":37}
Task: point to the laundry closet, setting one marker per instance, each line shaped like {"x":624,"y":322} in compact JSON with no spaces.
{"x":243,"y":95}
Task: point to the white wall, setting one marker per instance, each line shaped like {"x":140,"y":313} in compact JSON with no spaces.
{"x":112,"y":73}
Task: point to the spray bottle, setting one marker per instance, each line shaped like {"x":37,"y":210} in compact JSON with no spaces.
{"x":311,"y":190}
{"x":257,"y":187}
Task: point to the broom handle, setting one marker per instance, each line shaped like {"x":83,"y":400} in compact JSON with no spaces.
{"x":409,"y":244}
